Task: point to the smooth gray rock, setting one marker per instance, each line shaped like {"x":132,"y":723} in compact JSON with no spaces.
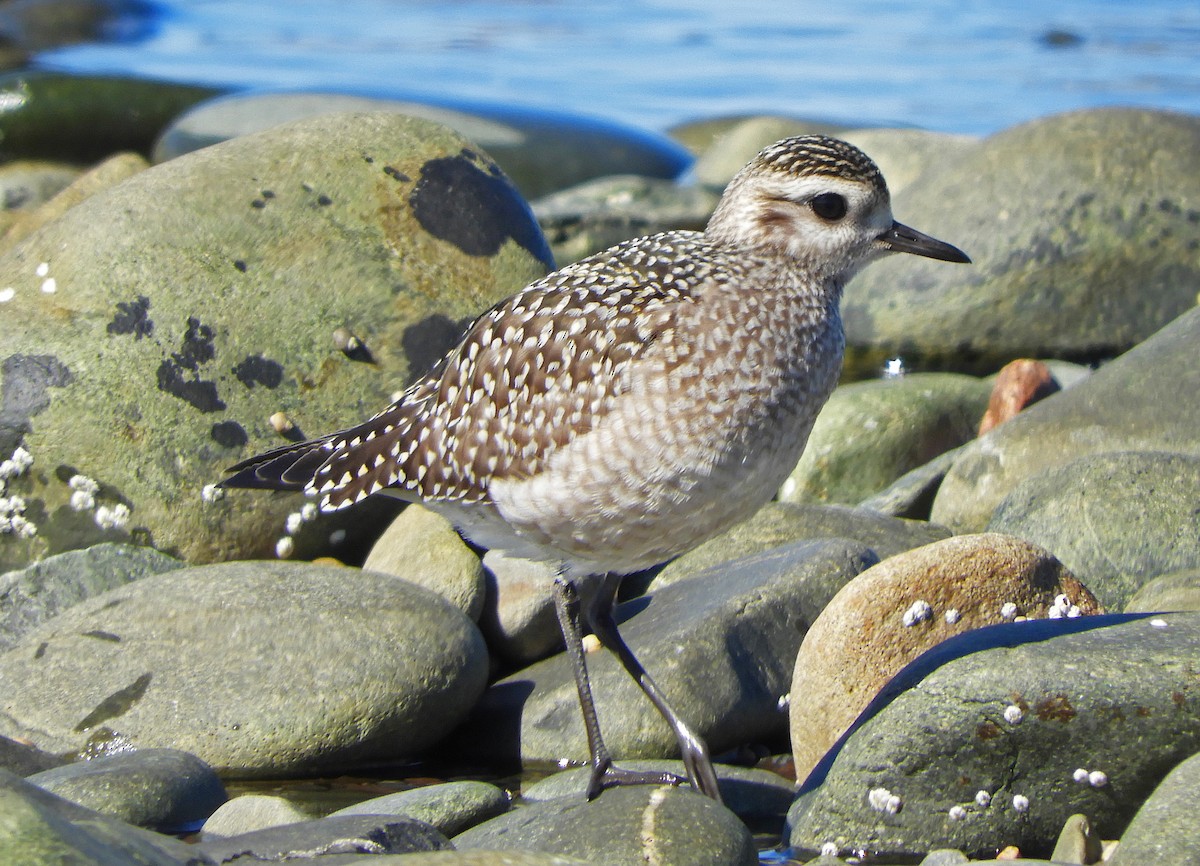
{"x":911,"y":495}
{"x":348,"y":834}
{"x":1081,"y":245}
{"x":251,"y":812}
{"x":34,"y":594}
{"x":1179,"y":590}
{"x":36,"y":827}
{"x":261,"y":669}
{"x":747,"y":792}
{"x":24,"y":760}
{"x":903,"y":155}
{"x":1142,"y":401}
{"x":871,"y":433}
{"x":1105,"y":696}
{"x":422,"y":547}
{"x":541,"y":151}
{"x":159,"y":789}
{"x":1165,"y":831}
{"x":451,"y":807}
{"x":1116,"y":520}
{"x":779,"y":523}
{"x":721,"y":646}
{"x":632,"y":825}
{"x":519,"y":620}
{"x":25,"y":184}
{"x":182,"y":319}
{"x":737,"y":140}
{"x":595,"y":215}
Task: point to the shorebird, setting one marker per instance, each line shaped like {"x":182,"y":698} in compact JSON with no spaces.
{"x":626,"y":408}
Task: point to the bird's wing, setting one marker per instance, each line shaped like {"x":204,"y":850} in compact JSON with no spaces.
{"x":530,"y":375}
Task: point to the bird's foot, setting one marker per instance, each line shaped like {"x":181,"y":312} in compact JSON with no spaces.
{"x":606,"y":774}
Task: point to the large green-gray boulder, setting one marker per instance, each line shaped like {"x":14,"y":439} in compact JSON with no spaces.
{"x":1143,"y":401}
{"x":153,"y":331}
{"x":261,"y":669}
{"x":1083,"y":230}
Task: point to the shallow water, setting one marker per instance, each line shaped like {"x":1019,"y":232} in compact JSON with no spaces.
{"x":971,"y":67}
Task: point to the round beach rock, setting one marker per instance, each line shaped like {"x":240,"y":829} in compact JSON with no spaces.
{"x":894,"y":611}
{"x":1083,"y":242}
{"x":261,"y":669}
{"x":152,"y":331}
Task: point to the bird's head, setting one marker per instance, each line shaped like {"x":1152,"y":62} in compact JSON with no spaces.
{"x":821,"y":202}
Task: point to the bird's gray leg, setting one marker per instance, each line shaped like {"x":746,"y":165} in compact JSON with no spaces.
{"x":692,"y":748}
{"x":604,"y":773}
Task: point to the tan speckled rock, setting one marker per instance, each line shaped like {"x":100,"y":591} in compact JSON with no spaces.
{"x":422,"y":547}
{"x":894,"y":611}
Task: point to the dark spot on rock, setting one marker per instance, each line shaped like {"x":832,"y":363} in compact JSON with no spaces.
{"x":474,"y":210}
{"x":1056,"y":709}
{"x":470,"y":154}
{"x":133,"y":317}
{"x":367,"y":158}
{"x":41,"y":650}
{"x":987,"y":731}
{"x":1142,"y":712}
{"x":116,"y":704}
{"x":200,"y":393}
{"x":257,"y":370}
{"x":426,"y":341}
{"x":266,"y":193}
{"x":324,"y":200}
{"x":102,"y":635}
{"x":240,"y":265}
{"x":197,"y":347}
{"x":258,"y":203}
{"x":1179,"y":699}
{"x":396,"y":174}
{"x":229,"y":434}
{"x":25,"y":381}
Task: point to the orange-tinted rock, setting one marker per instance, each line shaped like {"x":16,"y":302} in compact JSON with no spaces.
{"x":894,"y":611}
{"x":1019,"y":384}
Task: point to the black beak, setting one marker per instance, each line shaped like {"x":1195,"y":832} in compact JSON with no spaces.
{"x":902,"y":239}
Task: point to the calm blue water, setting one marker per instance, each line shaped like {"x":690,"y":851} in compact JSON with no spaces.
{"x":955,"y":66}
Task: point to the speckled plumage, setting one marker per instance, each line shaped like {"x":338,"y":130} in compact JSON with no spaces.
{"x":631,"y":405}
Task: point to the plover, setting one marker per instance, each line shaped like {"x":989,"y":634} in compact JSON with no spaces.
{"x":628,"y":407}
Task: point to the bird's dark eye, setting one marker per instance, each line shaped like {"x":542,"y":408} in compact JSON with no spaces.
{"x":829,"y":206}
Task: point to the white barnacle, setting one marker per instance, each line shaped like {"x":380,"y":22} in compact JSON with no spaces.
{"x":293,"y":523}
{"x":1020,"y":803}
{"x":82,"y":500}
{"x":211,"y":493}
{"x":918,"y":611}
{"x":1013,"y":714}
{"x":49,"y":285}
{"x":1008,"y":610}
{"x":42,"y":269}
{"x":952,"y":616}
{"x":956,"y":813}
{"x":1097,"y":778}
{"x":1080,"y":776}
{"x":285,"y":547}
{"x":114,"y":517}
{"x":893,"y":368}
{"x":7,"y":294}
{"x":983,"y":798}
{"x":883,"y":800}
{"x":309,"y":511}
{"x":84,"y":484}
{"x":829,"y":849}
